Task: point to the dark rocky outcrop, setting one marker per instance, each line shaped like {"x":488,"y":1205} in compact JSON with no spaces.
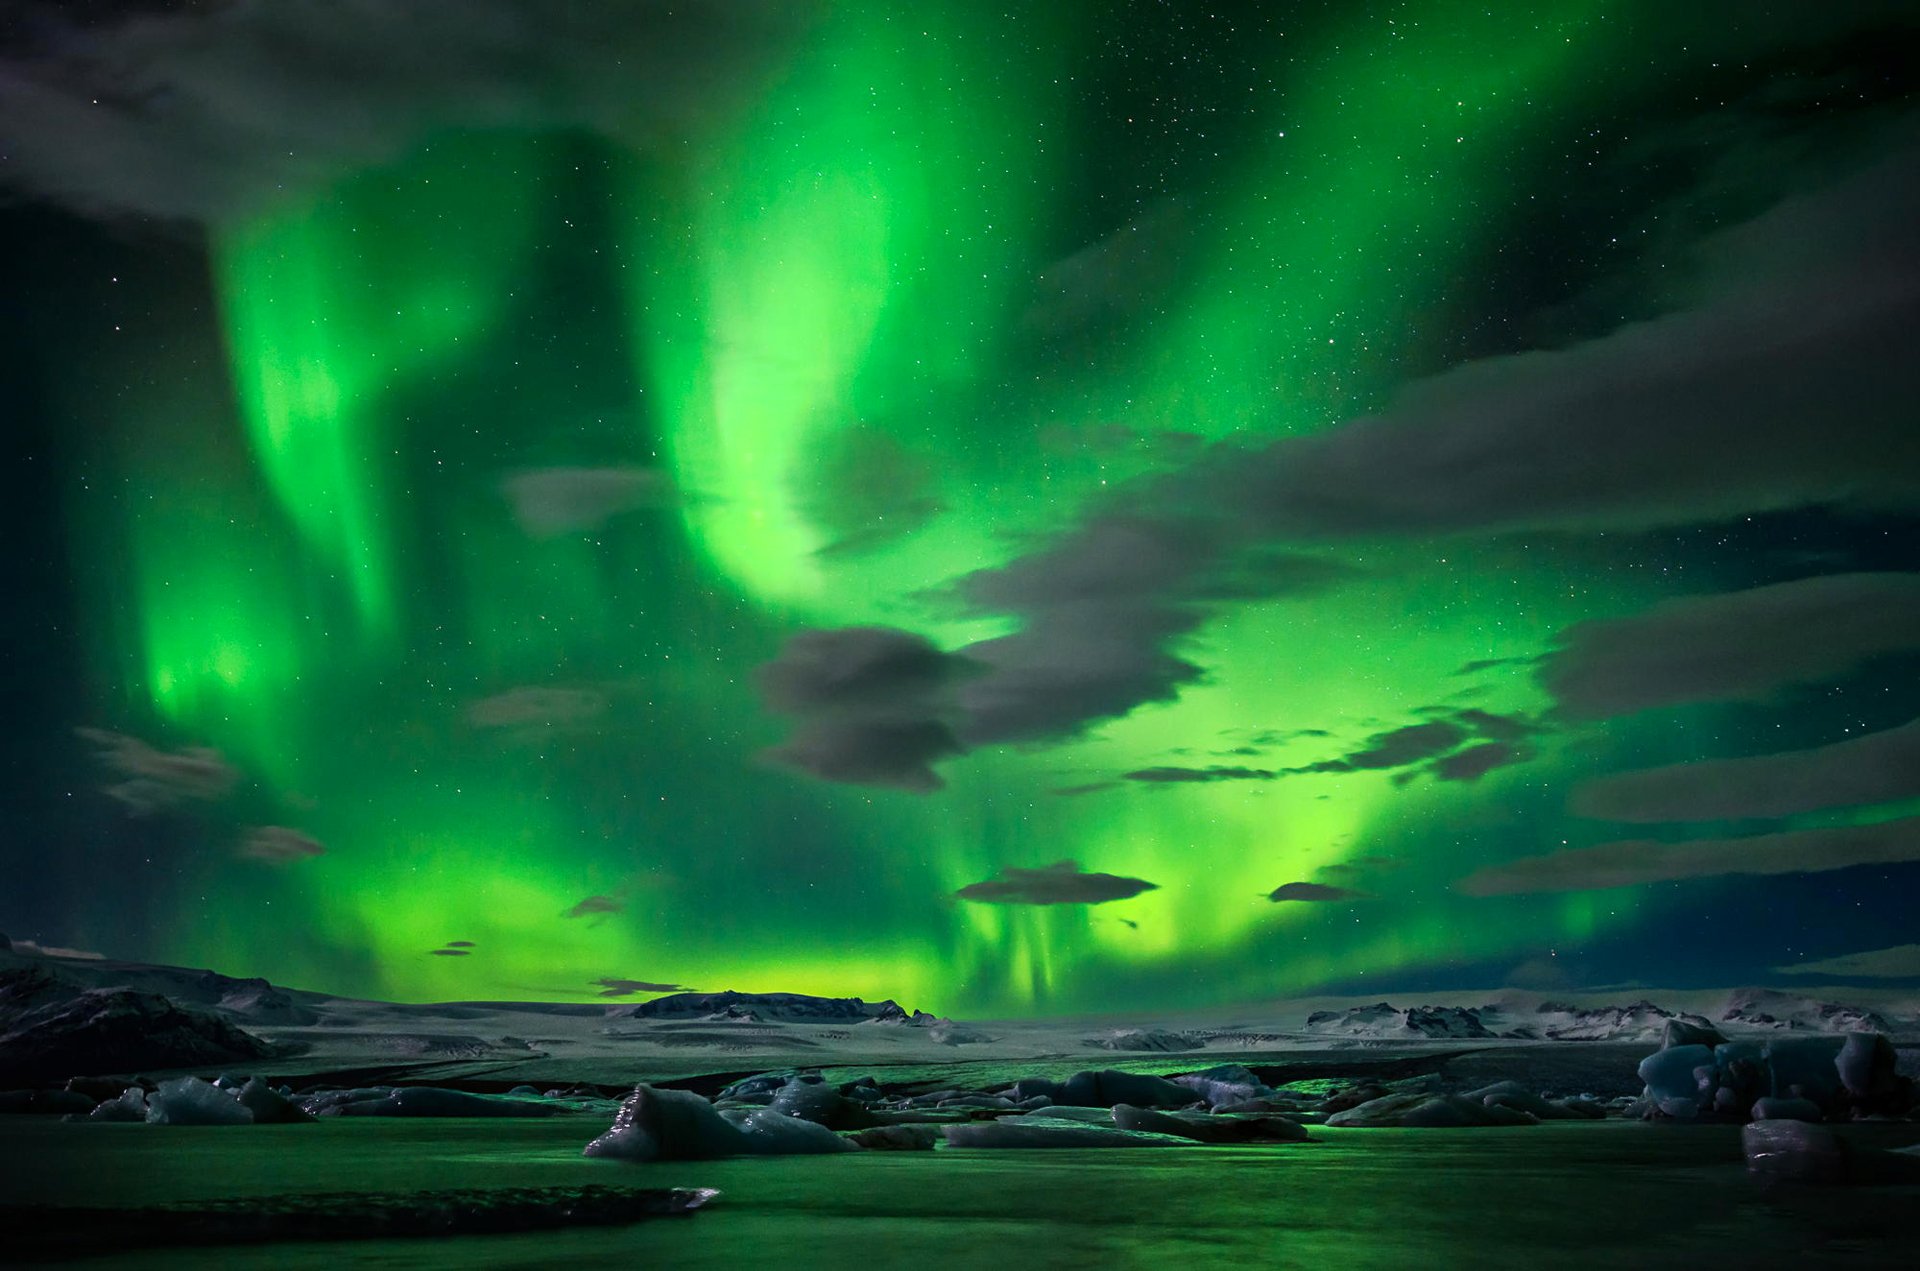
{"x":782,"y":1008}
{"x":62,"y":1034}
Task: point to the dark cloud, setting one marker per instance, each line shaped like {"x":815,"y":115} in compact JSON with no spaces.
{"x":1901,"y":962}
{"x":34,"y":949}
{"x":1360,"y":865}
{"x":1782,"y":383}
{"x":551,"y":502}
{"x":152,"y":780}
{"x":1091,"y":787}
{"x":871,"y":706}
{"x":1396,"y":748}
{"x":595,"y":905}
{"x":278,"y":845}
{"x":450,"y":952}
{"x":614,"y":987}
{"x":1314,"y":892}
{"x":1877,"y":768}
{"x":460,"y":944}
{"x":1180,"y":775}
{"x":1488,"y":664}
{"x":1477,"y":761}
{"x":535,"y":712}
{"x":1732,"y":646}
{"x":1630,"y":862}
{"x":1098,"y":610}
{"x":1496,"y":727}
{"x":1061,"y":883}
{"x":1108,"y":281}
{"x":1548,"y":974}
{"x":868,"y":490}
{"x":216,"y":112}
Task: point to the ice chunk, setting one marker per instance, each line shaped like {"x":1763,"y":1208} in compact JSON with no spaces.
{"x":130,"y":1106}
{"x":45,"y":1101}
{"x":1203,"y":1127}
{"x":1772,"y":1109}
{"x":191,"y":1101}
{"x":1109,"y":1086}
{"x":1670,"y":1073}
{"x":897,"y":1138}
{"x":1796,"y":1150}
{"x":1224,"y":1083}
{"x":1422,"y":1109}
{"x":820,"y":1103}
{"x":1865,"y":1066}
{"x":1685,"y":1032}
{"x":1085,"y":1116}
{"x":268,"y":1106}
{"x":1513,"y":1095}
{"x":771,"y":1133}
{"x":1026,"y":1132}
{"x":668,"y":1125}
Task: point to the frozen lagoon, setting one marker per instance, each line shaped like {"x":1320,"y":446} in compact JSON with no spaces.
{"x":1595,"y":1194}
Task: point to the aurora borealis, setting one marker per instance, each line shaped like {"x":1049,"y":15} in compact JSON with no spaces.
{"x":703,"y":528}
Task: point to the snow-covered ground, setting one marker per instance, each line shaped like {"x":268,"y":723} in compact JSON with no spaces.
{"x":314,"y":1031}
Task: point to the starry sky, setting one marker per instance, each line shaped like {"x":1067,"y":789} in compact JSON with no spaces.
{"x":1019,"y":509}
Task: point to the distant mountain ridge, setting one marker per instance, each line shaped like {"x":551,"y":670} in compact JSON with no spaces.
{"x":775,"y":1008}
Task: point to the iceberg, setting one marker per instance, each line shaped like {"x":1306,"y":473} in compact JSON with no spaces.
{"x":191,"y":1101}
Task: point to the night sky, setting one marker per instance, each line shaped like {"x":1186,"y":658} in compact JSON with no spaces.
{"x":1020,"y":509}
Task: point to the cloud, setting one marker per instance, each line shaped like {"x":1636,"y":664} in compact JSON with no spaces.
{"x":450,"y":952}
{"x":219,"y":111}
{"x":154,"y":779}
{"x":1099,"y":609}
{"x":1876,"y":768}
{"x":278,"y":845}
{"x":460,"y":944}
{"x":1547,"y":973}
{"x":612,"y":987}
{"x":534,"y":712}
{"x":1061,"y":883}
{"x":1177,"y":775}
{"x":595,"y":905}
{"x":1732,"y":646}
{"x":1108,"y":281}
{"x":1477,"y":761}
{"x":1629,"y":863}
{"x":1091,"y":787}
{"x":1361,"y":865}
{"x":1314,"y":892}
{"x":1396,"y":748}
{"x":1782,"y":384}
{"x":1488,"y":664}
{"x":550,"y":502}
{"x":35,"y":949}
{"x":871,"y":706}
{"x":868,"y":490}
{"x":1496,"y":727}
{"x":1900,"y":962}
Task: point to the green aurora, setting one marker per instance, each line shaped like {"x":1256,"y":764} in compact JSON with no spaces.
{"x":810,"y":358}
